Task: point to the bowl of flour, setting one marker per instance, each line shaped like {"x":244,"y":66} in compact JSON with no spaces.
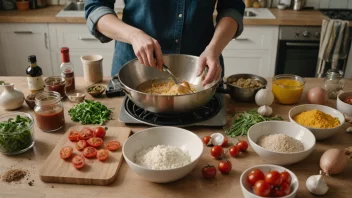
{"x":163,"y":154}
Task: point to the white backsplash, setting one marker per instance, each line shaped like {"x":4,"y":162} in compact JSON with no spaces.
{"x":325,"y":3}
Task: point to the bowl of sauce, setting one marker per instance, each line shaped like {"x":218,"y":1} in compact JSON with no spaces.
{"x":287,"y":88}
{"x":57,"y":84}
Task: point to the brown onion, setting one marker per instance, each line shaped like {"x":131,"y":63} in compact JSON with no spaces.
{"x":317,"y":95}
{"x":333,"y":161}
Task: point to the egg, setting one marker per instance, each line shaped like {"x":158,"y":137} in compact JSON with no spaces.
{"x":317,"y":95}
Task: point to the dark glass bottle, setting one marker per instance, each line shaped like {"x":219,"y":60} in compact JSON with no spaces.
{"x":34,"y":75}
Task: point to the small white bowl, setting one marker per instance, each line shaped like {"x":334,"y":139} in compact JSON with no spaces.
{"x":320,"y":134}
{"x":281,"y":127}
{"x":281,"y":6}
{"x":342,"y":106}
{"x":181,"y":138}
{"x":247,"y":188}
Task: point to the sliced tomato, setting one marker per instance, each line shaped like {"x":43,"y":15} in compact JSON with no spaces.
{"x":102,"y":154}
{"x":89,"y":152}
{"x":78,"y":161}
{"x":113,"y":145}
{"x":99,"y":132}
{"x":66,"y":152}
{"x":73,"y":136}
{"x":86,"y":133}
{"x":81,"y":144}
{"x":95,"y":141}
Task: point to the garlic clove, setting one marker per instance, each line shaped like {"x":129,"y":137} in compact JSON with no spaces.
{"x":217,"y":139}
{"x":265,"y":110}
{"x":316,"y":185}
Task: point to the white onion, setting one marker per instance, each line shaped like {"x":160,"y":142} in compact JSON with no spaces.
{"x":333,"y":161}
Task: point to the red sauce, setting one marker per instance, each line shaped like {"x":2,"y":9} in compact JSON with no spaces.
{"x":49,"y":120}
{"x":57,"y":85}
{"x":348,"y":100}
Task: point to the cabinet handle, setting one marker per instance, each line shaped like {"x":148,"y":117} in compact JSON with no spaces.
{"x":46,"y":40}
{"x":23,"y":32}
{"x":241,"y":39}
{"x":86,"y":39}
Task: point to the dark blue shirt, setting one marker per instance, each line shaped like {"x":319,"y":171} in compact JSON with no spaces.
{"x":180,"y":26}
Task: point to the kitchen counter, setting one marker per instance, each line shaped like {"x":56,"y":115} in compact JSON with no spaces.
{"x":48,"y":15}
{"x":129,"y":184}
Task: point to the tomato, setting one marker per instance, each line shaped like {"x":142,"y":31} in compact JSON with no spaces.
{"x":113,"y":145}
{"x":89,"y":152}
{"x":85,"y":134}
{"x":286,"y":177}
{"x":78,"y":161}
{"x":273,"y":178}
{"x":102,"y":154}
{"x":225,"y":166}
{"x":234,"y":151}
{"x":254,"y":176}
{"x":66,"y":152}
{"x":206,"y":139}
{"x":242,"y":145}
{"x":217,"y":151}
{"x":99,"y":132}
{"x":81,"y":144}
{"x":209,"y":172}
{"x":73,"y":136}
{"x":281,"y":190}
{"x":95,"y":141}
{"x":261,"y":188}
{"x":226,"y":142}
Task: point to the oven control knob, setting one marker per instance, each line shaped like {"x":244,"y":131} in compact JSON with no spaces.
{"x":296,"y":34}
{"x":305,"y":34}
{"x":317,"y":34}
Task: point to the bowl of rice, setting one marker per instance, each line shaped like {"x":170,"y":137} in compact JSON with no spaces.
{"x":162,"y":154}
{"x":281,"y":142}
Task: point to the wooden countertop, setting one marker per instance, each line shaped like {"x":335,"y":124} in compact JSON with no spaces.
{"x":129,"y":184}
{"x":48,"y":15}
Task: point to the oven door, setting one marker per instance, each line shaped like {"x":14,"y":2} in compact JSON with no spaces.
{"x":297,"y":57}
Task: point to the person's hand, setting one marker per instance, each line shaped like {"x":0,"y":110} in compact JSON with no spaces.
{"x":147,"y":49}
{"x":209,"y":58}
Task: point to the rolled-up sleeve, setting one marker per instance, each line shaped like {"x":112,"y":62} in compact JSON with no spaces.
{"x":94,"y":10}
{"x":233,"y":9}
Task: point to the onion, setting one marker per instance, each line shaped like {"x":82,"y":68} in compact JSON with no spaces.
{"x":333,"y":161}
{"x":317,"y":95}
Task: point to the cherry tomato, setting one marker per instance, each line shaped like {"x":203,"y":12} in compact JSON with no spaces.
{"x":286,"y":177}
{"x":261,"y":188}
{"x":66,"y":152}
{"x":102,"y":154}
{"x":273,"y":178}
{"x":89,"y":152}
{"x":226,"y":142}
{"x":225,"y":166}
{"x":78,"y":161}
{"x":73,"y":136}
{"x":209,"y":172}
{"x":95,"y":141}
{"x":242,"y":145}
{"x":85,"y":134}
{"x":234,"y":151}
{"x":206,"y":139}
{"x":217,"y":151}
{"x":99,"y":132}
{"x":113,"y":145}
{"x":281,"y":190}
{"x":81,"y":144}
{"x":254,"y":176}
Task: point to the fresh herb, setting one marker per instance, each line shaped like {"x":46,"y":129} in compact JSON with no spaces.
{"x":90,"y":112}
{"x":95,"y":89}
{"x":15,"y":134}
{"x":2,"y":82}
{"x":245,"y":120}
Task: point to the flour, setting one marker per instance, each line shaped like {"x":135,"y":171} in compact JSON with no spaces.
{"x":162,"y":157}
{"x":280,"y":143}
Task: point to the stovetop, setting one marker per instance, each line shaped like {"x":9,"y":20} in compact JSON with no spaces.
{"x":343,"y":14}
{"x":211,"y":114}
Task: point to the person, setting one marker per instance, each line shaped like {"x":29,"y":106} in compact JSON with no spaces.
{"x":151,"y":28}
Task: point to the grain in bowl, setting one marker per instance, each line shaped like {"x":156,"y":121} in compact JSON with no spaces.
{"x":280,"y":143}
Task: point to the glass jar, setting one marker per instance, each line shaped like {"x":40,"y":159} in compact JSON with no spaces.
{"x":287,"y":88}
{"x":334,"y":82}
{"x":57,"y":84}
{"x":49,"y":111}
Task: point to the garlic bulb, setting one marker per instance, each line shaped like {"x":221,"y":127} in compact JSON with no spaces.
{"x":265,"y":111}
{"x":264,"y":97}
{"x":217,"y":139}
{"x":317,"y":185}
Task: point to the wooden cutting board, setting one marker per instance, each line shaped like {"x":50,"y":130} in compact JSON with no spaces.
{"x":94,"y":172}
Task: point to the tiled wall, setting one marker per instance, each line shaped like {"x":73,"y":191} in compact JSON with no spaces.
{"x":327,"y":3}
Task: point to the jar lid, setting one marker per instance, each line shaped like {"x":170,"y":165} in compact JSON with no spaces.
{"x":334,"y":73}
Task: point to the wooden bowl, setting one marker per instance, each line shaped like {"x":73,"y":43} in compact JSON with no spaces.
{"x":30,"y":100}
{"x":96,"y":90}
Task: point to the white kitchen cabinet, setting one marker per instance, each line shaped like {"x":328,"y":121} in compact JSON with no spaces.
{"x":80,"y":42}
{"x":18,"y":41}
{"x":253,"y":52}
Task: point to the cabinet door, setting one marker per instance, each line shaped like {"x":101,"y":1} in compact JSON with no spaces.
{"x":18,"y":41}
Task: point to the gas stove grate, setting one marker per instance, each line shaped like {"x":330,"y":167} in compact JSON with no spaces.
{"x":205,"y":112}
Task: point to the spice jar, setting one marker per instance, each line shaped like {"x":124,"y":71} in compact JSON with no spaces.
{"x":49,"y":111}
{"x":56,"y":83}
{"x":334,"y":82}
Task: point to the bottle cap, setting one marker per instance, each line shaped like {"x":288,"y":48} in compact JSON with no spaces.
{"x":65,"y":50}
{"x":32,"y":59}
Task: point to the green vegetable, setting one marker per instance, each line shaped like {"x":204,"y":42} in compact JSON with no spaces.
{"x":245,"y":120}
{"x":90,"y":112}
{"x":15,"y":134}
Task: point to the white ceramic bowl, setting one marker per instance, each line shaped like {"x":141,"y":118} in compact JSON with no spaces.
{"x":320,"y":134}
{"x":247,"y":188}
{"x":181,"y":138}
{"x":342,"y":106}
{"x":276,"y":127}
